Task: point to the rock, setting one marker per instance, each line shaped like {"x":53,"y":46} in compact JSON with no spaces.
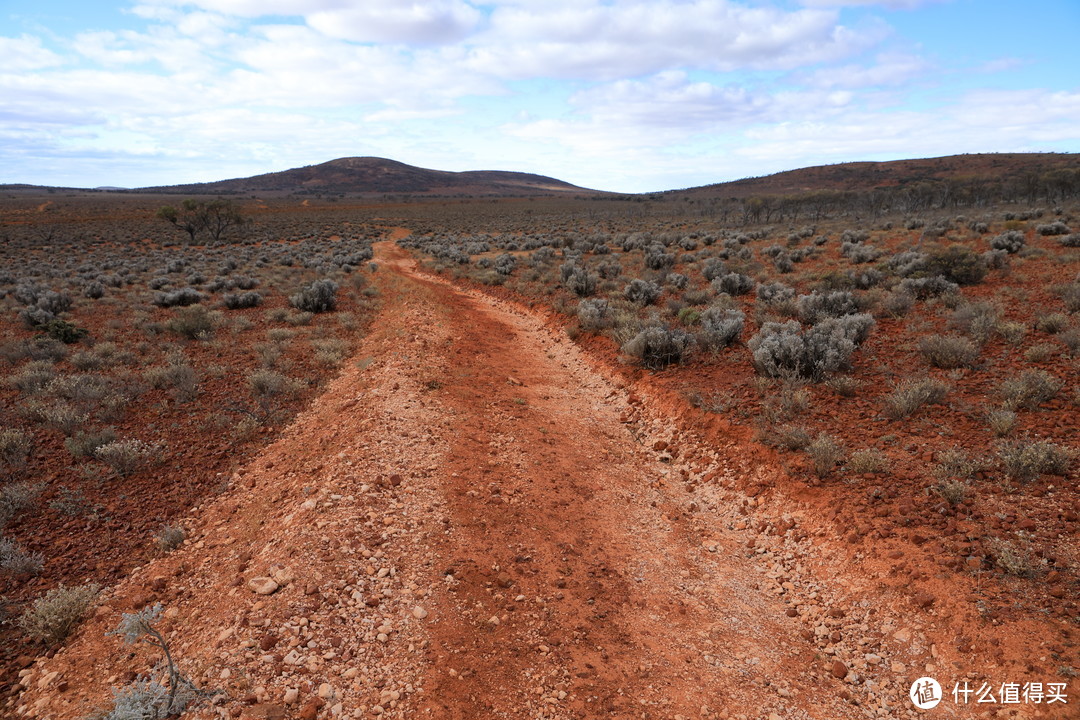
{"x":419,"y":613}
{"x":282,"y":576}
{"x":838,"y":669}
{"x":267,"y":642}
{"x":291,"y":696}
{"x":924,"y":599}
{"x":263,"y":586}
{"x":264,"y":711}
{"x":1057,"y":591}
{"x":309,"y":711}
{"x":326,"y":691}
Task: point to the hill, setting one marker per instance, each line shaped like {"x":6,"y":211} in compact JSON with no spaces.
{"x":895,"y":173}
{"x":379,"y":175}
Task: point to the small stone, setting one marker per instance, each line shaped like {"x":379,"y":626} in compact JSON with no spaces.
{"x":282,"y":576}
{"x":291,"y":696}
{"x":263,"y":586}
{"x":924,"y":599}
{"x":419,"y":613}
{"x":326,"y":691}
{"x":839,"y":670}
{"x":265,"y":711}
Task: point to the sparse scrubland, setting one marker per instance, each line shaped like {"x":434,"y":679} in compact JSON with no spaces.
{"x":906,"y":363}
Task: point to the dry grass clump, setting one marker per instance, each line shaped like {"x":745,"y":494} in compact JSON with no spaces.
{"x":1013,"y":559}
{"x":169,"y":538}
{"x":1031,"y":389}
{"x":1025,"y":461}
{"x":866,"y":461}
{"x":16,"y":498}
{"x":54,"y":616}
{"x":825,"y":453}
{"x":911,"y":395}
{"x":1002,"y":422}
{"x":948,"y":351}
{"x":18,"y":561}
{"x":128,"y":455}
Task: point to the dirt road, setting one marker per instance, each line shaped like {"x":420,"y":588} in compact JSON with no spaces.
{"x":474,"y":522}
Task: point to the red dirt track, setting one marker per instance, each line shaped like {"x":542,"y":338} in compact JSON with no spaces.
{"x":478,"y":519}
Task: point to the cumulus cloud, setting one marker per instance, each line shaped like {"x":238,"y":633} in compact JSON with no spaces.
{"x":398,"y":22}
{"x":602,"y":42}
{"x":25,"y":53}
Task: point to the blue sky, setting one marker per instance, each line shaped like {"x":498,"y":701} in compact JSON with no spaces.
{"x":626,"y":95}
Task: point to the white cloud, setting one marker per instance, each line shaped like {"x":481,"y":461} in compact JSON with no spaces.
{"x":891,"y":4}
{"x":604,"y":42}
{"x":25,"y":53}
{"x":401,"y":21}
{"x":888,"y":70}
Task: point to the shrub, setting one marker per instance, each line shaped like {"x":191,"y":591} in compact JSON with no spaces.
{"x":790,"y":437}
{"x":657,"y":259}
{"x":1011,"y":331}
{"x":177,"y":376}
{"x":978,"y":320}
{"x":1040,"y":352}
{"x":926,"y":287}
{"x":17,"y":561}
{"x":713,"y":268}
{"x":1012,"y":559}
{"x":786,"y":350}
{"x":1070,"y":241}
{"x":59,"y":416}
{"x":859,"y":254}
{"x":16,"y":498}
{"x":844,"y":385}
{"x":733,"y":284}
{"x":15,"y":448}
{"x":85,"y":444}
{"x":825,"y":453}
{"x":867,"y":460}
{"x":657,"y":346}
{"x":1011,"y":241}
{"x":720,"y":327}
{"x":178,"y":298}
{"x":169,"y":538}
{"x":505,"y":264}
{"x":128,"y":455}
{"x":194,"y":323}
{"x":947,"y":352}
{"x":678,"y":281}
{"x":774,"y":293}
{"x":1055,"y":228}
{"x":911,"y":395}
{"x":54,"y":616}
{"x":581,"y":282}
{"x":957,"y":264}
{"x":316,"y":297}
{"x":1026,"y":461}
{"x":1052,"y":323}
{"x":239,"y":301}
{"x":898,"y":303}
{"x":1031,"y":389}
{"x":594,"y":315}
{"x":817,"y":306}
{"x":642,"y":292}
{"x":1002,"y":422}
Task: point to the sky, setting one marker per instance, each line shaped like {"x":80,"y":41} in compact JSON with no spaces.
{"x":621,"y":95}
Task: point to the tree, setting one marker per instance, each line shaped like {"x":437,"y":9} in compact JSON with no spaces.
{"x":216,"y":217}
